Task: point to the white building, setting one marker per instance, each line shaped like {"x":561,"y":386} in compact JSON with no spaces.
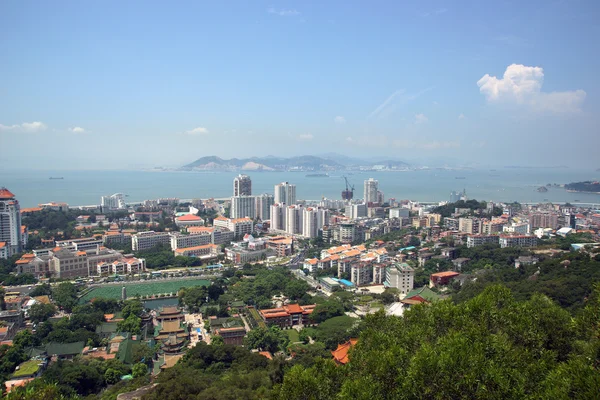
{"x":243,"y":206}
{"x":400,"y":276}
{"x":518,"y":241}
{"x":10,"y":223}
{"x":285,"y":192}
{"x":263,"y":205}
{"x":293,"y":219}
{"x":399,"y":213}
{"x":278,"y":216}
{"x":347,"y":233}
{"x":313,"y":220}
{"x":198,"y":239}
{"x":522,"y":228}
{"x":239,"y":226}
{"x":188,"y":220}
{"x":371,"y":188}
{"x":354,"y":211}
{"x":242,"y":185}
{"x":113,"y":202}
{"x":147,"y":240}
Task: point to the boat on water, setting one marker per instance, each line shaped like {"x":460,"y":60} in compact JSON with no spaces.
{"x":57,"y":177}
{"x":317,"y":175}
{"x":460,"y":177}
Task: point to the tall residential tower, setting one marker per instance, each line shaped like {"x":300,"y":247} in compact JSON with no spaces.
{"x":285,"y":192}
{"x":242,"y":186}
{"x":10,"y":223}
{"x":371,"y":188}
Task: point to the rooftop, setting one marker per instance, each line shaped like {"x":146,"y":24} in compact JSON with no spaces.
{"x":6,"y":194}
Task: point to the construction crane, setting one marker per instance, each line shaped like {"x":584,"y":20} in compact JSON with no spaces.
{"x":348,"y":194}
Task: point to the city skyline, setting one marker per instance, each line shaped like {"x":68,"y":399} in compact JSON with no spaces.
{"x":432,"y":83}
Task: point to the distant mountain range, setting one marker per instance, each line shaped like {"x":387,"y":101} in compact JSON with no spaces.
{"x":328,"y":162}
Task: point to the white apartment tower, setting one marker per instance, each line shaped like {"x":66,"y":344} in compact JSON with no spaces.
{"x":278,"y":216}
{"x":242,"y":185}
{"x":243,"y":206}
{"x":285,"y":192}
{"x":10,"y":223}
{"x":113,"y":202}
{"x":263,"y":205}
{"x":313,"y":220}
{"x":371,"y":188}
{"x":293,"y":219}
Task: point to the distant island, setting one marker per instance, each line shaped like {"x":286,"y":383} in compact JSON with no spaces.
{"x":300,"y":164}
{"x":586,"y":187}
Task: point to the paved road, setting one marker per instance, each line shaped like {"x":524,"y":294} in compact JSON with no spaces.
{"x":24,"y":290}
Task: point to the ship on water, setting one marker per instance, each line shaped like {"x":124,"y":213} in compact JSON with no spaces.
{"x":317,"y":175}
{"x":57,"y":177}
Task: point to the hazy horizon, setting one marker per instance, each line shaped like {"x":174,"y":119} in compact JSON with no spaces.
{"x":144,"y":84}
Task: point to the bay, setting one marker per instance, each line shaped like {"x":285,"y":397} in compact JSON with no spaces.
{"x":503,"y":184}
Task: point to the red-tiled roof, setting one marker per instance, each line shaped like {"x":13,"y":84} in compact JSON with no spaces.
{"x":5,"y":194}
{"x":293,"y":308}
{"x":444,"y":274}
{"x":340,"y":354}
{"x":189,"y":217}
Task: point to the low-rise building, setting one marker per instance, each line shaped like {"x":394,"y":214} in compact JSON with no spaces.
{"x":197,"y":239}
{"x":147,"y":240}
{"x":400,"y":276}
{"x":288,"y":315}
{"x":188,"y":220}
{"x":442,"y":278}
{"x":239,"y":226}
{"x":518,"y":241}
{"x":206,"y":251}
{"x":480,"y":240}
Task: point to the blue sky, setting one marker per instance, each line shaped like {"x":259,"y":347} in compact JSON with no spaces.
{"x":140,"y":84}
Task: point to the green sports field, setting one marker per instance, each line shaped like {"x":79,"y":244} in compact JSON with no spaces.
{"x":142,"y":289}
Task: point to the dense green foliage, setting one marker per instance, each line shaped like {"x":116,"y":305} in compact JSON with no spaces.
{"x":65,"y":296}
{"x":7,"y":279}
{"x":40,"y":312}
{"x":476,"y":207}
{"x":567,"y":280}
{"x":489,"y":347}
{"x":218,"y":372}
{"x":587,"y":186}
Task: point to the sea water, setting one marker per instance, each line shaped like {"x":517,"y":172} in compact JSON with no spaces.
{"x":503,"y":184}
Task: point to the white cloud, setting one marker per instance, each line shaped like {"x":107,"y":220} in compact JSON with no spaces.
{"x":420,"y":119}
{"x":339,"y":120}
{"x":197,"y":131}
{"x":283,"y":12}
{"x":461,"y":116}
{"x":305,"y":136}
{"x":522,"y":85}
{"x":28,"y":127}
{"x":77,"y":129}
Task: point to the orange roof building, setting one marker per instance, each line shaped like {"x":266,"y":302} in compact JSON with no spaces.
{"x":288,"y":315}
{"x":340,"y":355}
{"x":442,"y":278}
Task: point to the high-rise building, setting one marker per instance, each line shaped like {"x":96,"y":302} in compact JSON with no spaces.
{"x":113,"y":202}
{"x":293,"y":220}
{"x":285,"y":192}
{"x":243,"y":206}
{"x":242,"y":185}
{"x":10,"y":224}
{"x":371,"y":188}
{"x":263,"y":206}
{"x":278,"y":216}
{"x":354,"y":211}
{"x":313,"y":221}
